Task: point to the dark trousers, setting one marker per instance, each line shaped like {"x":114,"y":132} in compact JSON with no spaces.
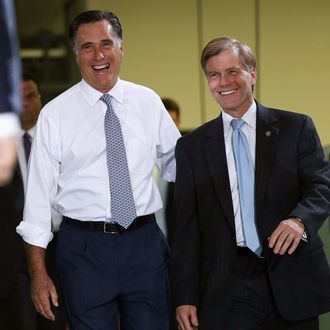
{"x":17,"y":311}
{"x":252,"y":306}
{"x":108,"y":277}
{"x":60,"y":319}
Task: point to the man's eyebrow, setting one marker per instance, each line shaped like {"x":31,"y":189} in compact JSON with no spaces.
{"x":108,"y":40}
{"x":85,"y":44}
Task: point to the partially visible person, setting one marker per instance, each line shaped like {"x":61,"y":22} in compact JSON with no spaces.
{"x":92,"y":159}
{"x":20,"y":313}
{"x":252,"y":190}
{"x":173,"y":109}
{"x":31,"y":108}
{"x":166,"y":189}
{"x":10,"y":102}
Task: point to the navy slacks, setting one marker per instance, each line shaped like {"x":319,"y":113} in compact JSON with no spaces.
{"x":109,"y":277}
{"x":252,"y":306}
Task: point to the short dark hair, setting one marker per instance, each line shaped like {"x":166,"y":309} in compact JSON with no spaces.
{"x":94,"y":16}
{"x":28,"y":76}
{"x":171,"y":105}
{"x":218,"y":45}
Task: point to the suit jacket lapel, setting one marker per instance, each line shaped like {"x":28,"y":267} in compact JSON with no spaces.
{"x":266,"y":138}
{"x":19,"y":172}
{"x":215,"y":152}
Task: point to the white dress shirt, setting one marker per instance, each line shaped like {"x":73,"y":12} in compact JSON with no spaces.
{"x":68,"y":168}
{"x":250,"y":118}
{"x":56,"y":218}
{"x":161,"y":213}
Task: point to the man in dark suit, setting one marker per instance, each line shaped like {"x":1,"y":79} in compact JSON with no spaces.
{"x":11,"y":250}
{"x":245,"y":260}
{"x":16,"y":309}
{"x":10,"y":104}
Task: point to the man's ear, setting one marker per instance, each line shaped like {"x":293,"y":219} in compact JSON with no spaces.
{"x":76,"y":57}
{"x":254,"y":76}
{"x":122,"y":50}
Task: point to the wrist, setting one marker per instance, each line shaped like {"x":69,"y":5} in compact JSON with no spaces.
{"x":302,"y":225}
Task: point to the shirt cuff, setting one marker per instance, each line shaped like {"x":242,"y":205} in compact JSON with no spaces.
{"x":34,"y":235}
{"x":9,"y":125}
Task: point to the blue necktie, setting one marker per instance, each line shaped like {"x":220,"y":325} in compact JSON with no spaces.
{"x":245,"y":176}
{"x":122,"y":201}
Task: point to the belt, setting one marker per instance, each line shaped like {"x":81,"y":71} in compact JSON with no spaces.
{"x":110,"y":227}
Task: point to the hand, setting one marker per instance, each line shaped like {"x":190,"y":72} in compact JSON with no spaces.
{"x":8,"y":153}
{"x":43,"y":293}
{"x":286,"y":236}
{"x":186,"y":316}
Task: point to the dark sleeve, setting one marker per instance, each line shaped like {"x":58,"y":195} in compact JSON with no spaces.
{"x":314,"y":176}
{"x":184,"y":264}
{"x":10,"y":66}
{"x":11,"y":245}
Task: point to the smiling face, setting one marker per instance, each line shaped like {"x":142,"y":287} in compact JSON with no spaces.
{"x":229,"y":83}
{"x":98,"y":54}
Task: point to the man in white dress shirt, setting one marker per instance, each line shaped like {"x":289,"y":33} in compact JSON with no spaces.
{"x":103,"y":268}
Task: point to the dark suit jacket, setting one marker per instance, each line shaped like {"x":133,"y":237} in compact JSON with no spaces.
{"x":10,"y":79}
{"x":11,"y":245}
{"x":14,"y":279}
{"x":292,"y":179}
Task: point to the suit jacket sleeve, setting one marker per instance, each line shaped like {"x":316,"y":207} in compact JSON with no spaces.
{"x":10,"y":68}
{"x":314,"y":174}
{"x":184,"y":267}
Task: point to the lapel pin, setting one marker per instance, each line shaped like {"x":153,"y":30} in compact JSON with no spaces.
{"x":268,"y":133}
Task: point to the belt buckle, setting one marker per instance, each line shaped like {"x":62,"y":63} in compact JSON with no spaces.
{"x":107,"y":228}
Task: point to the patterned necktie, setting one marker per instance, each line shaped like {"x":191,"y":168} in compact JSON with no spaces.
{"x":122,"y":201}
{"x":245,"y":176}
{"x":27,"y":145}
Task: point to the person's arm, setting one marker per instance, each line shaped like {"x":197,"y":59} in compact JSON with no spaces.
{"x":8,"y":155}
{"x":167,"y":135}
{"x":10,"y":62}
{"x":36,"y":227}
{"x":9,"y":128}
{"x":185,"y":244}
{"x":10,"y":98}
{"x":307,"y":217}
{"x":43,"y":291}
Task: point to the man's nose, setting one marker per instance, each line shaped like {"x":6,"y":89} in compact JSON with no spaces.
{"x":99,"y":54}
{"x":224,"y":80}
